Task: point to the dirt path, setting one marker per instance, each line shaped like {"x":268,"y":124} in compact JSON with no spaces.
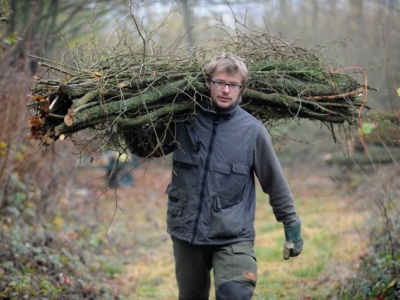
{"x":140,"y":249}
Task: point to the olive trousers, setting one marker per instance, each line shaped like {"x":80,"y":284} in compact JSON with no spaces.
{"x":234,"y":268}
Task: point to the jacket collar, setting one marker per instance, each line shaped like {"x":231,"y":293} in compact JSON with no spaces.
{"x":217,"y":113}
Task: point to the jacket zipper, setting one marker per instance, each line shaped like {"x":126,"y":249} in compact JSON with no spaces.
{"x":204,"y":180}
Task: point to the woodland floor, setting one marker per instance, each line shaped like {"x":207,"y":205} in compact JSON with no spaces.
{"x":140,"y":254}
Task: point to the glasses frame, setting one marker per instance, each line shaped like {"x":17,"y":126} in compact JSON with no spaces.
{"x":220,"y":85}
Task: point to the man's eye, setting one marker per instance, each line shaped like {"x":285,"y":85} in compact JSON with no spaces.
{"x":221,"y":85}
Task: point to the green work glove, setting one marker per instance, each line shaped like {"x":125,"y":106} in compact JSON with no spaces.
{"x":294,"y":241}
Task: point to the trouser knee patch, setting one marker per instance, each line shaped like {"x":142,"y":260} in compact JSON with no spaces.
{"x":234,"y":290}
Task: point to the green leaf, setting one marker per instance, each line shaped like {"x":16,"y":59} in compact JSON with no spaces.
{"x":9,"y":40}
{"x":367,"y":128}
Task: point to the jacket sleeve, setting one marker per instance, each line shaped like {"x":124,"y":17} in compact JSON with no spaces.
{"x":149,"y":142}
{"x":270,"y":175}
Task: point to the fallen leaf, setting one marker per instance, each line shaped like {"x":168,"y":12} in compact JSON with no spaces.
{"x":73,"y":235}
{"x":65,"y":279}
{"x":47,"y":139}
{"x":39,"y":98}
{"x":36,"y":121}
{"x":58,"y":223}
{"x":44,"y":105}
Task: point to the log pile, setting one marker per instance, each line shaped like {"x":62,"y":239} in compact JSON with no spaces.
{"x":139,"y":88}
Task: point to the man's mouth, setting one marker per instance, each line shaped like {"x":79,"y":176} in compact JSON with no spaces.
{"x":224,"y":99}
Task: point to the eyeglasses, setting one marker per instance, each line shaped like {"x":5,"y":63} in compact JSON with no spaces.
{"x":221,"y":85}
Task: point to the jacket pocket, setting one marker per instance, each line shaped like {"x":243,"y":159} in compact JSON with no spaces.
{"x":246,"y":248}
{"x":177,"y":199}
{"x":230,"y":180}
{"x":185,"y":168}
{"x":226,"y":222}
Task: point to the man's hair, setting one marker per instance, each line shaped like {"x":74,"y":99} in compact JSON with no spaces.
{"x":227,"y":62}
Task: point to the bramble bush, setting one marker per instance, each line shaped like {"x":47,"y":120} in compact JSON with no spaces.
{"x":378,"y":276}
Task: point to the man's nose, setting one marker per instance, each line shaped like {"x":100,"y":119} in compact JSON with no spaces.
{"x":226,"y":89}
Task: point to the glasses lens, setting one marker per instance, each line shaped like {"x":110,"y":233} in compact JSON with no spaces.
{"x":221,"y":85}
{"x":234,"y":87}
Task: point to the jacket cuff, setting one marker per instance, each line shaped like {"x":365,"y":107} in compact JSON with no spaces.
{"x":291,"y":223}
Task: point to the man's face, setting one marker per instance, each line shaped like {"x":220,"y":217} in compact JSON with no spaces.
{"x":225,"y":89}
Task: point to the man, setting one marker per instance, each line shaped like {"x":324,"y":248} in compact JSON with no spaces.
{"x":211,"y":198}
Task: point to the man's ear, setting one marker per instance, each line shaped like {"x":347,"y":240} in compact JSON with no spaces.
{"x":208,"y":85}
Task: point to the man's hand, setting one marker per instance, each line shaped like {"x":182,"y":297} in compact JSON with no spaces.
{"x":294,"y":242}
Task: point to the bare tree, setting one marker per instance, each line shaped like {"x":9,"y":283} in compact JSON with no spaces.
{"x":40,"y":25}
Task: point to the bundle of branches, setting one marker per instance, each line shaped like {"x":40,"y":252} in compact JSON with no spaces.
{"x":141,"y":87}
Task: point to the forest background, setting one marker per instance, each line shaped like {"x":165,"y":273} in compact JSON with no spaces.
{"x":63,"y":231}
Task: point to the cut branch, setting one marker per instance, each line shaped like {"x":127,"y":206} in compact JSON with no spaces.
{"x":137,"y":89}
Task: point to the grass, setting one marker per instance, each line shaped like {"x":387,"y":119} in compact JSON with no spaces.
{"x":330,"y":239}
